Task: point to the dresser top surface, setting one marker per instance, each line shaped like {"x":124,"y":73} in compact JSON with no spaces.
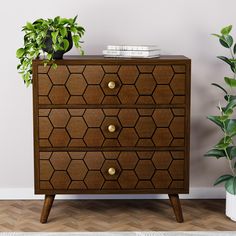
{"x":100,"y":58}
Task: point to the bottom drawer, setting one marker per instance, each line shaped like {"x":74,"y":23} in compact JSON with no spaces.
{"x":128,"y":170}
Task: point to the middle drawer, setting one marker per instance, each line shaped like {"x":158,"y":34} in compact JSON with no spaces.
{"x":111,"y":127}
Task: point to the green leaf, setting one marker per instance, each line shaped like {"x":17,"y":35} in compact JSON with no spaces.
{"x":225,"y":59}
{"x":54,"y":66}
{"x":230,"y":81}
{"x":217,"y":35}
{"x":235,"y":48}
{"x":39,"y":21}
{"x":28,"y":83}
{"x":29,"y":26}
{"x":63,"y":21}
{"x":223,"y":43}
{"x":229,"y":112}
{"x":55,"y":47}
{"x":63,"y":32}
{"x":230,"y":185}
{"x":231,"y":152}
{"x":49,"y":56}
{"x":34,"y":41}
{"x":216,"y":120}
{"x":222,"y":178}
{"x":26,"y":78}
{"x":73,"y":29}
{"x":215,"y":153}
{"x":80,"y":29}
{"x":54,"y":36}
{"x":226,"y":41}
{"x":20,"y":52}
{"x":230,"y":105}
{"x":75,"y":18}
{"x":224,"y":118}
{"x":229,"y":40}
{"x":226,"y":30}
{"x":224,"y":143}
{"x":75,"y":40}
{"x":231,"y":127}
{"x":65,"y":44}
{"x":233,"y":67}
{"x":219,"y":86}
{"x":60,"y":39}
{"x":57,"y":19}
{"x":231,"y":98}
{"x":70,"y":21}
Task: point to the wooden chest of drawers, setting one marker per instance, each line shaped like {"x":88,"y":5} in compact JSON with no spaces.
{"x":112,"y":126}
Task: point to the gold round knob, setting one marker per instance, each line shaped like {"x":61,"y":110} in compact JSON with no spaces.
{"x":111,"y":85}
{"x":111,"y":128}
{"x":111,"y":171}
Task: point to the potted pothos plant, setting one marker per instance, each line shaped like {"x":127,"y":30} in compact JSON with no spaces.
{"x":50,"y":38}
{"x":225,"y":120}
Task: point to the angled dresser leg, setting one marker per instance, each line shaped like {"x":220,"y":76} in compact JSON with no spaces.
{"x":48,"y":201}
{"x":174,"y":199}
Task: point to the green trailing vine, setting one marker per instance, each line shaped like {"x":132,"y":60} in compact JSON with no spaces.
{"x":35,"y":36}
{"x":225,"y":120}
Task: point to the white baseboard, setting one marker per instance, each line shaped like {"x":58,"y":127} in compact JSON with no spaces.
{"x":195,"y":193}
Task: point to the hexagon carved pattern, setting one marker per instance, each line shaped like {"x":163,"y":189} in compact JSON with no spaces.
{"x":128,"y":74}
{"x":59,"y":117}
{"x":59,"y":75}
{"x":90,"y":127}
{"x":76,"y":84}
{"x":63,"y":170}
{"x":89,"y":85}
{"x":93,"y":74}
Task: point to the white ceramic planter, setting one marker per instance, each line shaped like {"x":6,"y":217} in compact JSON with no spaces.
{"x":230,"y":209}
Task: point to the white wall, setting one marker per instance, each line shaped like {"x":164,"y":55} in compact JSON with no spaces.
{"x":177,"y":26}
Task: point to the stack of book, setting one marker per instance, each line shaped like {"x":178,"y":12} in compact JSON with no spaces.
{"x":134,"y":51}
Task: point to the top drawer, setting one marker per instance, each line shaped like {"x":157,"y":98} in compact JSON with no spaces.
{"x":112,"y":84}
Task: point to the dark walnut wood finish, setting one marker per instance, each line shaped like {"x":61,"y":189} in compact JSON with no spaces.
{"x":128,"y":136}
{"x":46,"y":208}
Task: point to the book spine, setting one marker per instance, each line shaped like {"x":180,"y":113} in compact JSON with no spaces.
{"x":131,"y":48}
{"x":130,"y":53}
{"x":155,"y":56}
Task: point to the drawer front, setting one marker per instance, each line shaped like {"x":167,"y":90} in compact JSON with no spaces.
{"x":112,"y":85}
{"x":111,"y":170}
{"x":67,"y":128}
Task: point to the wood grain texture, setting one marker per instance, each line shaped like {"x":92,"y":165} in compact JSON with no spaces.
{"x":48,"y":201}
{"x":160,"y":170}
{"x":89,"y":127}
{"x":114,"y":215}
{"x":175,"y":202}
{"x":161,"y":85}
{"x":149,"y":108}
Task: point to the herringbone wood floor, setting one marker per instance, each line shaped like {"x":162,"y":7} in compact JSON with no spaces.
{"x":114,"y":215}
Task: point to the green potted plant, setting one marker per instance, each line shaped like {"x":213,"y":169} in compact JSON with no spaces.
{"x":50,"y":37}
{"x":226,"y":147}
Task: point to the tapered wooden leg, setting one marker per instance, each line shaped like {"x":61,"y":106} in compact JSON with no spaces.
{"x":174,"y":199}
{"x":48,"y":201}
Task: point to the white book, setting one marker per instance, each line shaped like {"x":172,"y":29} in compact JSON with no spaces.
{"x":133,"y":47}
{"x":155,"y":53}
{"x":131,"y":56}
